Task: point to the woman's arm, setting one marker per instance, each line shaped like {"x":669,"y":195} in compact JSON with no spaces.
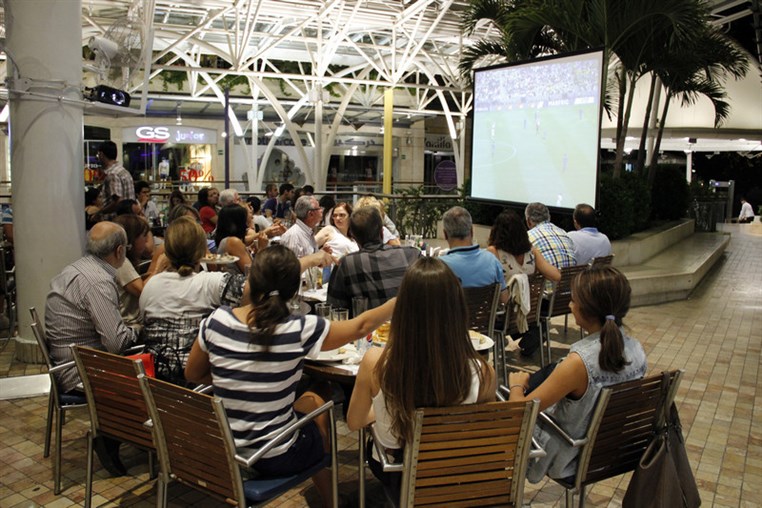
{"x":134,"y":287}
{"x":488,"y":388}
{"x":547,"y":270}
{"x":569,"y":377}
{"x":492,"y":250}
{"x":198,"y":369}
{"x":235,"y":247}
{"x":342,"y":332}
{"x":324,"y":235}
{"x":360,"y":411}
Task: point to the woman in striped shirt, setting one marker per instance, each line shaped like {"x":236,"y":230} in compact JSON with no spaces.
{"x":253,"y":355}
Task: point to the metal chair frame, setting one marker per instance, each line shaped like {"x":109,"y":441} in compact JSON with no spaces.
{"x":558,"y":305}
{"x":58,"y":404}
{"x":623,"y":423}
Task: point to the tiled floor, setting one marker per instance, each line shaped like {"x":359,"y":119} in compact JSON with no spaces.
{"x":715,"y":336}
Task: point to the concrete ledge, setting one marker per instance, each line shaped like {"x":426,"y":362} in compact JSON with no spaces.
{"x":642,"y":246}
{"x":676,"y":271}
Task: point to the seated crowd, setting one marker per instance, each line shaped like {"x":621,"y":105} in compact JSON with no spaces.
{"x":232,"y":327}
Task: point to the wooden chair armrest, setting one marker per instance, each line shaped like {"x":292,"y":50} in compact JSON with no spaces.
{"x":388,"y":467}
{"x":551,"y":424}
{"x":284,"y":434}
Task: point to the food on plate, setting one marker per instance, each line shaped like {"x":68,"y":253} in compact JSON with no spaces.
{"x":341,"y":350}
{"x":381,"y":335}
{"x":474,"y":335}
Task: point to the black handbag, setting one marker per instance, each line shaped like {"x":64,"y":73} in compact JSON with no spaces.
{"x":663,"y":477}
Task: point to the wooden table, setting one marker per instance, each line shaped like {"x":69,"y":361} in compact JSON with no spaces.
{"x":329,"y":372}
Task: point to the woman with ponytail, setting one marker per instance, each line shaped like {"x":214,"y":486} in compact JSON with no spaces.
{"x":600,"y":301}
{"x":253,"y":356}
{"x":174,"y":302}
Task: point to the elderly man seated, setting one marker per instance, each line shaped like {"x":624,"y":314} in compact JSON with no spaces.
{"x":300,"y":237}
{"x":82,"y":308}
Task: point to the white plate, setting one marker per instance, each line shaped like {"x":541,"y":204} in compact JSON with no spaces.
{"x":222,"y":260}
{"x":479,"y":341}
{"x":347,"y":351}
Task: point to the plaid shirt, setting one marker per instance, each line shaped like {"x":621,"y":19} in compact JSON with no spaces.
{"x":118,"y":182}
{"x":554,"y":244}
{"x":375,"y":272}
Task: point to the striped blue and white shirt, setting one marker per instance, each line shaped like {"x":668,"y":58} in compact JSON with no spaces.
{"x":257,"y":383}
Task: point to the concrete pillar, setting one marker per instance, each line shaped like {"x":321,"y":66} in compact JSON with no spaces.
{"x":44,"y":39}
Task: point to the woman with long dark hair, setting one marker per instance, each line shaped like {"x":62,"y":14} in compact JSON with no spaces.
{"x":509,"y":242}
{"x":336,"y":235}
{"x":128,"y":279}
{"x":253,"y":355}
{"x":207,"y":202}
{"x":429,"y":360}
{"x":600,"y":301}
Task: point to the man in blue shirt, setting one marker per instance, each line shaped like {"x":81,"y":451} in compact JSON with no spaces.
{"x":589,"y":243}
{"x":474,"y":267}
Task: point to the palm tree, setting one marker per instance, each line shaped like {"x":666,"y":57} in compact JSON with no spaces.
{"x":635,"y":36}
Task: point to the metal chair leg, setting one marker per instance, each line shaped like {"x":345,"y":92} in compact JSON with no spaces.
{"x":334,"y":460}
{"x":89,"y":472}
{"x":361,"y":469}
{"x":48,"y":427}
{"x":569,"y":498}
{"x":57,"y":459}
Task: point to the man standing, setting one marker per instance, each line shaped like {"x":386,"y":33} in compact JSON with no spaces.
{"x":376,"y":270}
{"x":553,"y":242}
{"x":82,"y":308}
{"x":118,"y":184}
{"x":300,"y":237}
{"x":279,"y":206}
{"x":589,"y":243}
{"x":747,"y":213}
{"x":474,"y":267}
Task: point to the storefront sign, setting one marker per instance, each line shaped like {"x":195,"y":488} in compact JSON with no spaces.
{"x":438,"y":142}
{"x":169,"y":134}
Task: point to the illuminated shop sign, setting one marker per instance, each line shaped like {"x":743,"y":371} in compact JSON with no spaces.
{"x":169,"y":134}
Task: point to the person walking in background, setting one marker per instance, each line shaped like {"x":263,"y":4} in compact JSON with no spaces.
{"x":747,"y":213}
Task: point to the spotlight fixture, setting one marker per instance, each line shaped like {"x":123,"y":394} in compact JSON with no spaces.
{"x":107,"y":95}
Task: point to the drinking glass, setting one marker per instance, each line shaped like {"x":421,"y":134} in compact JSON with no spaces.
{"x":323,"y":310}
{"x":359,"y":305}
{"x":339,"y":314}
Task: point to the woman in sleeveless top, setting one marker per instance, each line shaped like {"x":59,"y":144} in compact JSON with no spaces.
{"x":336,"y":234}
{"x":428,"y":361}
{"x":600,"y":300}
{"x":509,"y":242}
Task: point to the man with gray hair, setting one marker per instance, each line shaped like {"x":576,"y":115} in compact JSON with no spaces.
{"x":300,"y":237}
{"x":229,"y":197}
{"x":552,"y":241}
{"x":82,"y":308}
{"x":474,"y":267}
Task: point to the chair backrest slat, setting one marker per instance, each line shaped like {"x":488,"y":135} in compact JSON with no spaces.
{"x":536,"y":287}
{"x":469,"y":455}
{"x":562,"y":290}
{"x":602,"y":260}
{"x":117,"y":407}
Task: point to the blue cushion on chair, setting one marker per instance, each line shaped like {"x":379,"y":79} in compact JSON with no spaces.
{"x":67,"y":399}
{"x":263,"y":488}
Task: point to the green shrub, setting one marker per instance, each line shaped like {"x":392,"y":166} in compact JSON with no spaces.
{"x":624,"y":205}
{"x":670,"y":195}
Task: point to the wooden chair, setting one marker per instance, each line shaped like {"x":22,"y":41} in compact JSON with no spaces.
{"x":558,"y":305}
{"x":470,"y":455}
{"x":482,"y":307}
{"x":58,"y":403}
{"x":510,"y":327}
{"x":195,"y":446}
{"x":117,"y":406}
{"x":602,"y":260}
{"x":623,"y":423}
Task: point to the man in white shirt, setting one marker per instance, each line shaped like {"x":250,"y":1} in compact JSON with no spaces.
{"x":300,"y":237}
{"x":747,"y":213}
{"x":589,"y":243}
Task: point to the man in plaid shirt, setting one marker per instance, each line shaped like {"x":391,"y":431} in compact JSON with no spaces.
{"x":553,"y":242}
{"x":118,"y":184}
{"x":374,"y":272}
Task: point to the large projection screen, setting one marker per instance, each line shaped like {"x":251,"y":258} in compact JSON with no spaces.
{"x":536,"y":131}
